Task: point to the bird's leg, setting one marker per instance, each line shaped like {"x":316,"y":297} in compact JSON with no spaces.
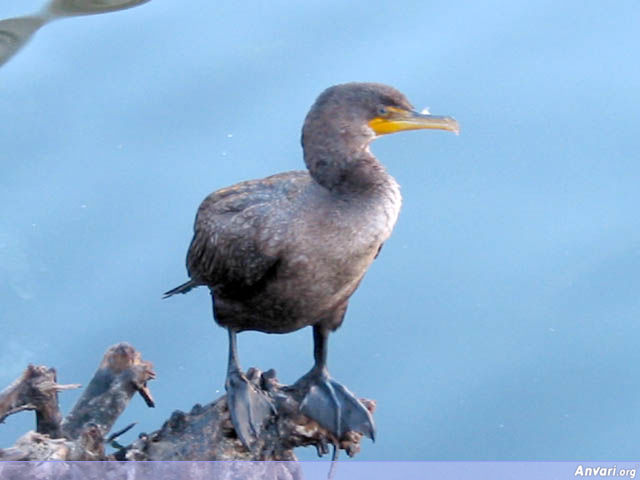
{"x":248,"y":406}
{"x":328,"y":402}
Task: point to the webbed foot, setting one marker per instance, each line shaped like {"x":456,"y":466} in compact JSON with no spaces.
{"x":333,"y":406}
{"x":248,"y":406}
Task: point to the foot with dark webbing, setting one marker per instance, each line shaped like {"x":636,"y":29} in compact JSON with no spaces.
{"x":328,"y":402}
{"x":248,"y":406}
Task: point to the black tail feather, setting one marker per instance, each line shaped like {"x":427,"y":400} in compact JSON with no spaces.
{"x":184,"y":288}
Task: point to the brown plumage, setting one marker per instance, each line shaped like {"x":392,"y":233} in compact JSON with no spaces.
{"x":288,"y":251}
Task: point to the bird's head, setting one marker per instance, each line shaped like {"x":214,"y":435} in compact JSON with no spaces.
{"x":346,"y":118}
{"x":381,"y":109}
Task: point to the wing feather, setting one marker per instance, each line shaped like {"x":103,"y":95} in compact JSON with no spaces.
{"x":231,"y":245}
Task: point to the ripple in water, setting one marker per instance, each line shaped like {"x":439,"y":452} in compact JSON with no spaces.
{"x":15,"y":32}
{"x":88,"y":7}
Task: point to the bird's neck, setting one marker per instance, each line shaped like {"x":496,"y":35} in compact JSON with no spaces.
{"x":345,"y":167}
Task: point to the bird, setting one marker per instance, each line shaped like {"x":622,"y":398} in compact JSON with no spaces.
{"x":287,"y":251}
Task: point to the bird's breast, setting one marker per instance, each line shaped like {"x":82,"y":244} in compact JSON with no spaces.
{"x":330,"y":247}
{"x":324,"y":244}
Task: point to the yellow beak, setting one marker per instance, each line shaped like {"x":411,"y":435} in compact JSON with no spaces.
{"x":399,"y":120}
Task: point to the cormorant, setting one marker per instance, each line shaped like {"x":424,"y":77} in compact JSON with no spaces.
{"x":287,"y":251}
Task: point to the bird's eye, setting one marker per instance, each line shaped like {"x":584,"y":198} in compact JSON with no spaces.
{"x":382,"y":111}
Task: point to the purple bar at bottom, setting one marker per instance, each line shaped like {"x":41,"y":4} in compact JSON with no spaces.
{"x":347,"y":470}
